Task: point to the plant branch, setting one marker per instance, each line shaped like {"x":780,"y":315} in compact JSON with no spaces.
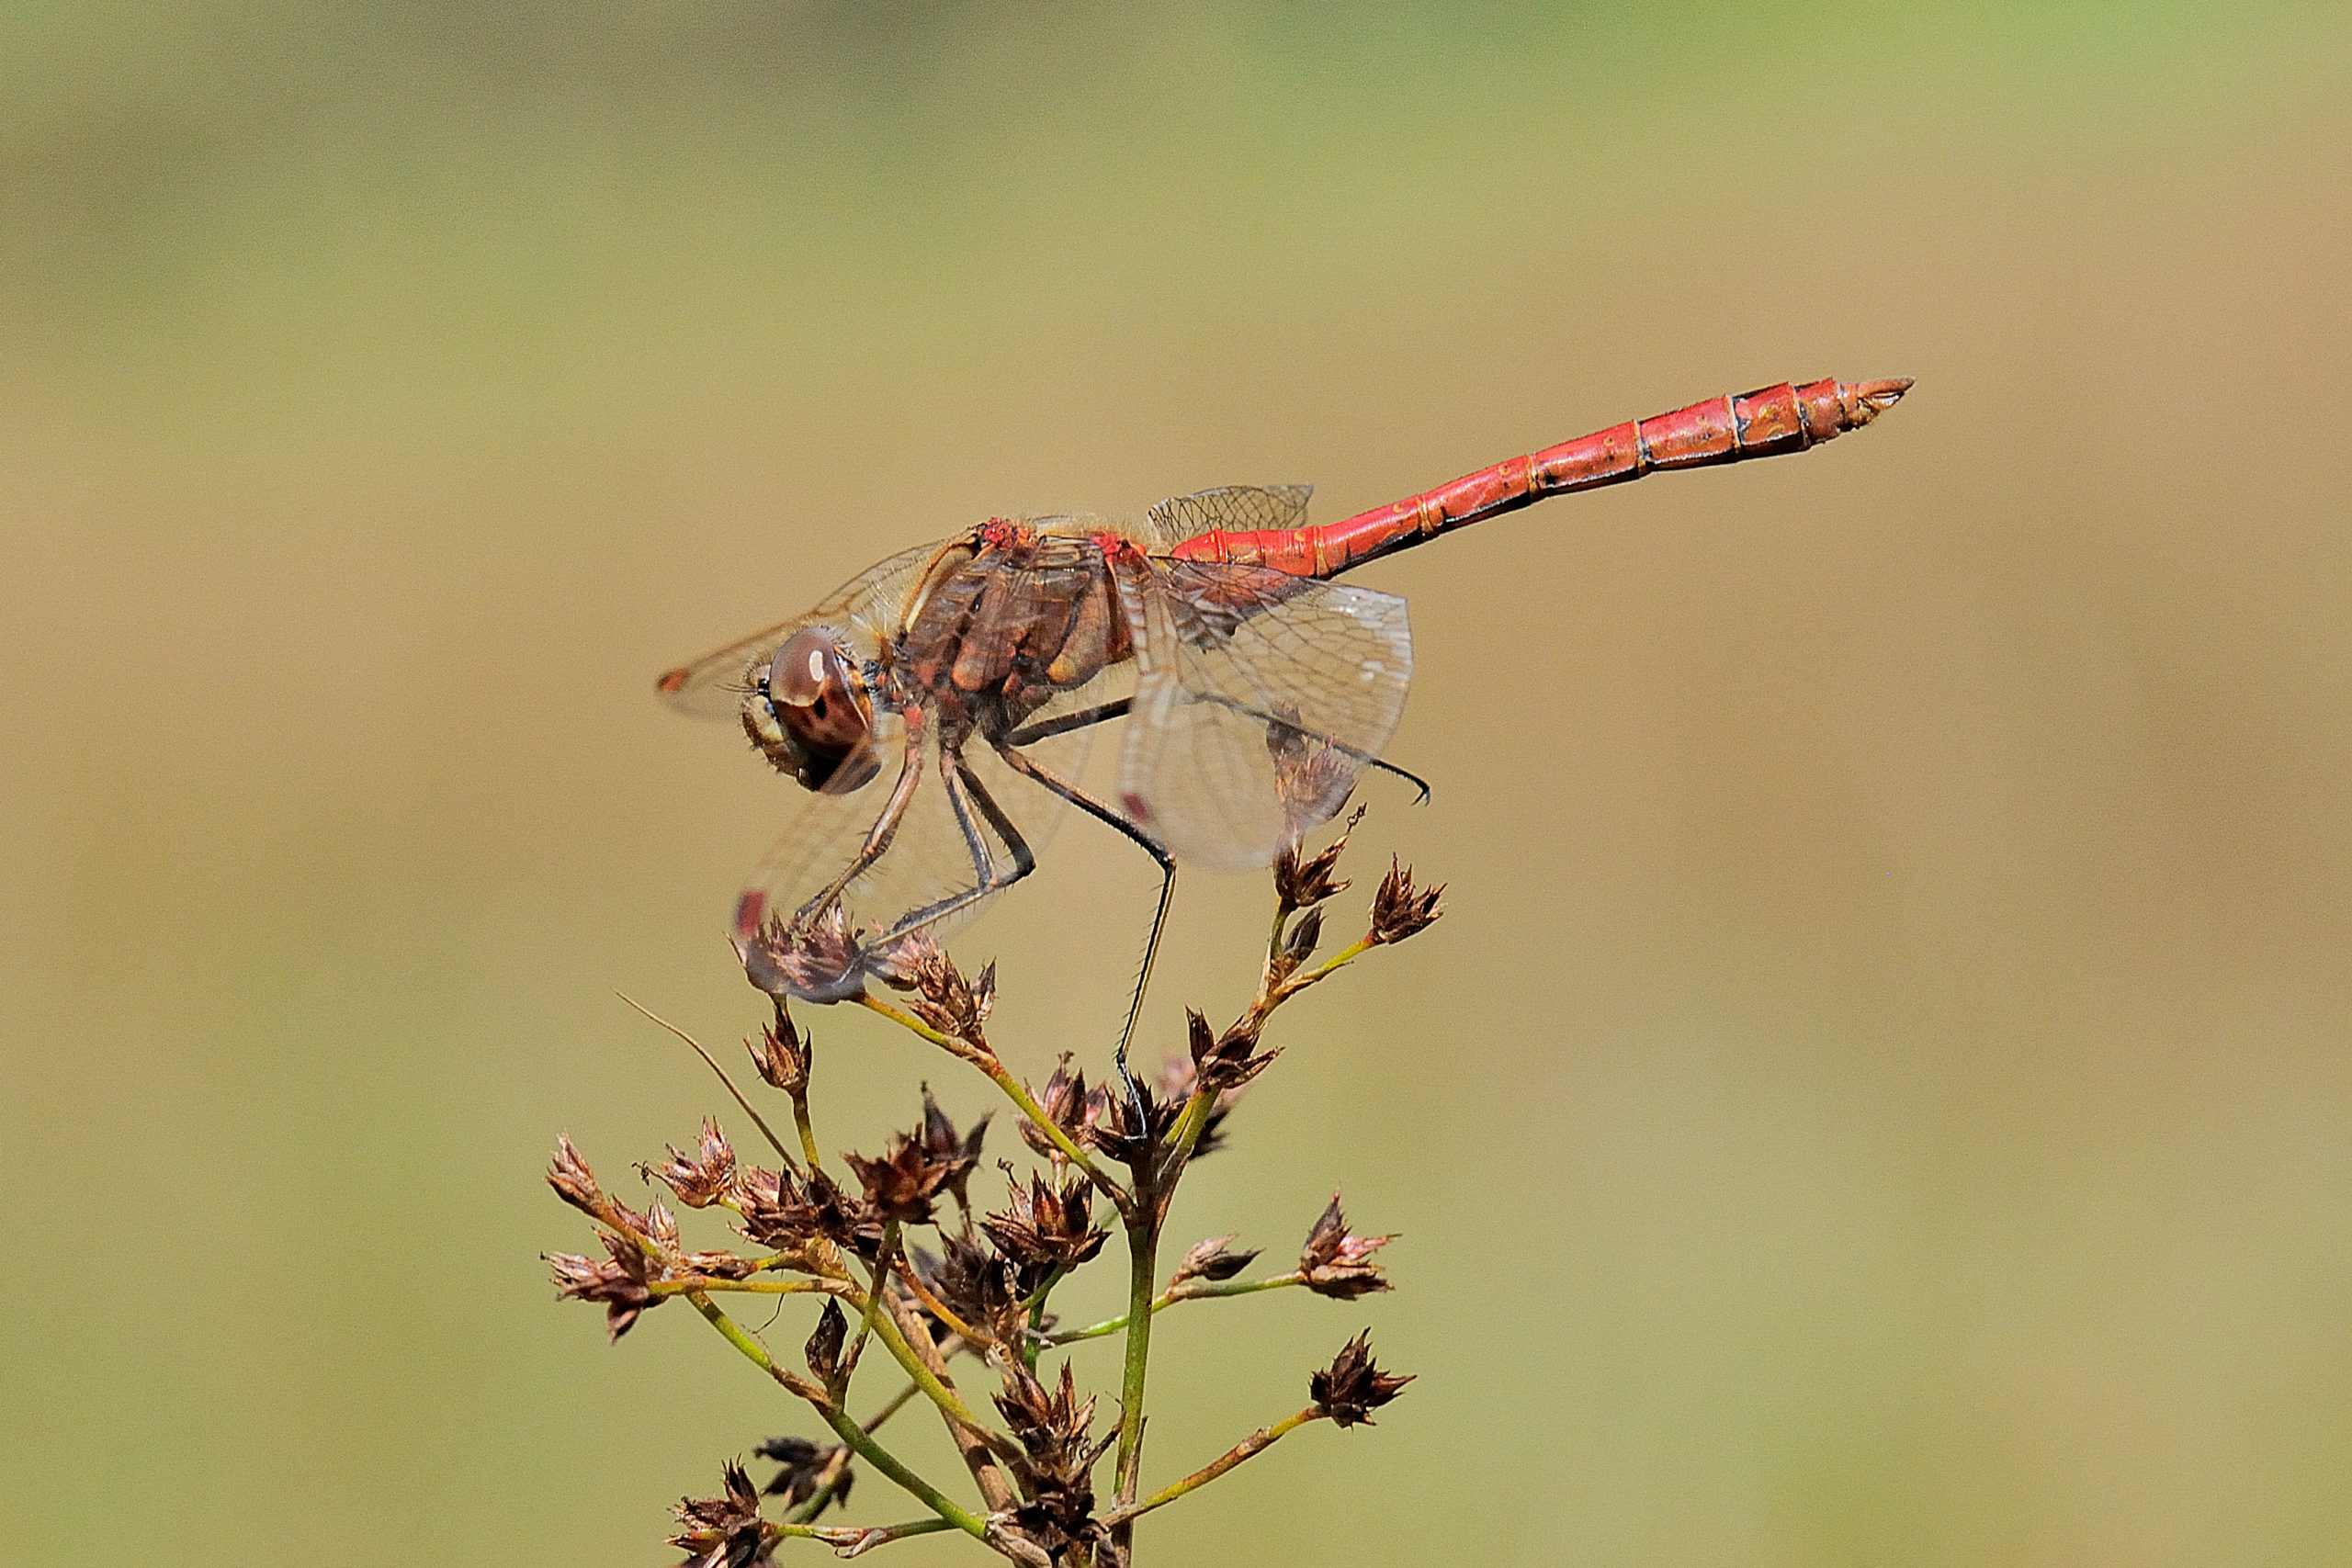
{"x":1256,"y":1442}
{"x":850,"y":1432}
{"x":984,"y":1059}
{"x":881,"y":1282}
{"x":755,"y":1287}
{"x":1187,"y":1292}
{"x":1143,"y":1265}
{"x":757,"y":1120}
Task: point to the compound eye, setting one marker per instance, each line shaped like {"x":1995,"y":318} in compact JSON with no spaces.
{"x":814,"y":688}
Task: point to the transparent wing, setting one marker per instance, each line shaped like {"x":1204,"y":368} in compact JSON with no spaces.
{"x":945,"y":841}
{"x":1234,"y":508}
{"x":866,"y":608}
{"x":1261,"y":696}
{"x":715,"y":686}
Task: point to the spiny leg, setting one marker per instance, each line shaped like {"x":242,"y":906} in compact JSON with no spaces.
{"x":1160,"y":857}
{"x":1062,"y":724}
{"x":963,"y":792}
{"x":885,"y":826}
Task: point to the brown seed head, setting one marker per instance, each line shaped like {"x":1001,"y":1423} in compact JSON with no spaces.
{"x":1298,"y":946}
{"x":661,"y":1228}
{"x":806,"y":1466}
{"x":1400,"y":910}
{"x":620,"y":1281}
{"x":901,"y":1184}
{"x":959,"y":1152}
{"x":1337,"y":1263}
{"x":1051,"y":1425}
{"x":1210,"y":1260}
{"x":698,"y":1181}
{"x":788,"y":1215}
{"x":1047,"y":1227}
{"x":944,"y":998}
{"x":1224,"y":1062}
{"x":823,"y":1351}
{"x":573,"y":1182}
{"x":1352,"y":1387}
{"x":725,"y":1531}
{"x":781,"y":1054}
{"x":1312,"y":777}
{"x":815,"y":960}
{"x":1117,"y":1133}
{"x":1178,"y":1079}
{"x":976,"y":1283}
{"x":1303,"y":881}
{"x":1064,"y":1100}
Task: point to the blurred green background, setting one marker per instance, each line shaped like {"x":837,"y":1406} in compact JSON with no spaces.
{"x":1881,"y":1095}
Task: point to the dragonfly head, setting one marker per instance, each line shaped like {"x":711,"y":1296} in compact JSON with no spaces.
{"x":811,"y":715}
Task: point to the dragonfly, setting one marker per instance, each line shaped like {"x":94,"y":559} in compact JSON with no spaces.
{"x":936,"y":709}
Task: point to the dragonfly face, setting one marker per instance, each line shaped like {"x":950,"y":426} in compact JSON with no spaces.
{"x":811,"y":716}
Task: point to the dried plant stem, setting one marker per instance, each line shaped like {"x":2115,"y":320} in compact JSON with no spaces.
{"x":1256,"y":1442}
{"x":849,"y":1432}
{"x":757,"y":1121}
{"x":1188,"y":1291}
{"x":894,"y":1340}
{"x":940,"y":1310}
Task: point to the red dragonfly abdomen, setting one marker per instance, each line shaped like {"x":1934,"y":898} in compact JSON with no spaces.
{"x":1763,"y":423}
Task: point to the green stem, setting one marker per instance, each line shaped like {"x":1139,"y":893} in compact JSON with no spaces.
{"x":1347,"y":954}
{"x":873,"y":1298}
{"x":1188,"y":1291}
{"x":981,"y":1058}
{"x":832,"y":1481}
{"x":752,"y":1287}
{"x":887,"y":1327}
{"x":1256,"y":1442}
{"x":1143,"y":1265}
{"x":1033,"y":1341}
{"x":807,"y":1130}
{"x":1019,"y":1094}
{"x":849,"y":1432}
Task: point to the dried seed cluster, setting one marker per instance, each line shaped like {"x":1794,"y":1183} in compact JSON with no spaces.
{"x":974,"y":1289}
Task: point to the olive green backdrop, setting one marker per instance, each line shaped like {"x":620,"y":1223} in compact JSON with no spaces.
{"x":1882,"y":1093}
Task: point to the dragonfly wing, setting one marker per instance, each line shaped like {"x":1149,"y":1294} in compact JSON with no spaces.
{"x":865,"y":610}
{"x":1234,"y":508}
{"x":715,"y":686}
{"x":943,"y":843}
{"x":1260,"y":697}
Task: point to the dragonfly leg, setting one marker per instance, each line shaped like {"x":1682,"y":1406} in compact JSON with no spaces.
{"x":964,"y":794}
{"x":1062,"y":724}
{"x":885,"y":826}
{"x":1414,"y":779}
{"x":1160,"y":857}
{"x":1361,"y":758}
